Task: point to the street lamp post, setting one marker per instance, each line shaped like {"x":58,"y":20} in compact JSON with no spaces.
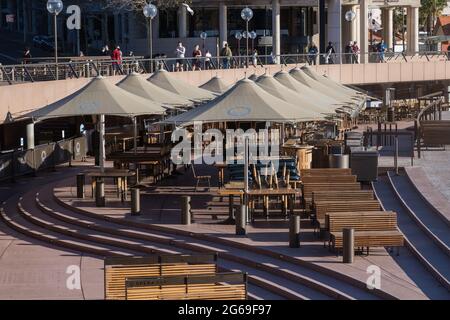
{"x":150,"y":11}
{"x":247,"y":15}
{"x":203,"y":36}
{"x":238,"y":37}
{"x":253,"y":36}
{"x":54,"y":7}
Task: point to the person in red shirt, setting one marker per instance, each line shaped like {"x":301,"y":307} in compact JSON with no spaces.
{"x":117,"y":59}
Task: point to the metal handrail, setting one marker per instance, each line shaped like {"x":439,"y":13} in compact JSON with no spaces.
{"x":45,"y":71}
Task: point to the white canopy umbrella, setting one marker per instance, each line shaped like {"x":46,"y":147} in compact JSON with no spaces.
{"x":288,"y":81}
{"x":136,"y":84}
{"x":163,"y":79}
{"x":329,"y":82}
{"x":302,"y":77}
{"x":99,"y":97}
{"x":216,"y":85}
{"x":275,"y":88}
{"x":245,"y":101}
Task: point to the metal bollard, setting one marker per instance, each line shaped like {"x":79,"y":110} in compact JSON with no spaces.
{"x":186,"y":210}
{"x":135,"y":201}
{"x":80,"y":185}
{"x":348,"y":245}
{"x":294,"y":231}
{"x":241,"y":220}
{"x":100,"y":193}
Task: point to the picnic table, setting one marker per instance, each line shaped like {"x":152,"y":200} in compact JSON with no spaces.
{"x":288,"y":194}
{"x":120,"y":176}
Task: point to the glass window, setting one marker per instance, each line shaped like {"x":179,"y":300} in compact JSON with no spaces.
{"x":168,"y":23}
{"x":204,"y":19}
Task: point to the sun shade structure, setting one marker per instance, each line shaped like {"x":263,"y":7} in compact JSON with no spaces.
{"x":288,"y":81}
{"x":329,"y":82}
{"x":136,"y":84}
{"x":302,"y":77}
{"x":98,"y":97}
{"x":165,"y":80}
{"x":275,"y":88}
{"x":102,"y":98}
{"x":216,"y":85}
{"x":245,"y":101}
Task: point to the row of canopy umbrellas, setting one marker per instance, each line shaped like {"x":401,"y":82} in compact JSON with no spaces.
{"x":296,"y":96}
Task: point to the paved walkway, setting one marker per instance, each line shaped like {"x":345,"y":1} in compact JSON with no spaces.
{"x":30,"y":269}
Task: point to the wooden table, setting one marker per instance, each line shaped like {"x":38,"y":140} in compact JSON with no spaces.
{"x":120,"y":175}
{"x":231,"y":190}
{"x":221,"y":169}
{"x":288,"y":198}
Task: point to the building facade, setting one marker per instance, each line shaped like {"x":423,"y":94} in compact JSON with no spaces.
{"x":282,"y":26}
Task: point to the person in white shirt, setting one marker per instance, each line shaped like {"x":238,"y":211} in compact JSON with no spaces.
{"x":208,"y":57}
{"x":180,"y":52}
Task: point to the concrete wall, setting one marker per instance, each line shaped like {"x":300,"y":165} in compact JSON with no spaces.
{"x":22,"y":98}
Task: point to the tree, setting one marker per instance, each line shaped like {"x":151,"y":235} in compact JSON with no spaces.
{"x":139,"y":4}
{"x":429,"y":11}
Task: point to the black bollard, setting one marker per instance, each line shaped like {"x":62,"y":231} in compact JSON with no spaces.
{"x":100,"y":193}
{"x":241,"y":220}
{"x":135,"y":201}
{"x":294,"y":231}
{"x":348,"y":245}
{"x":80,"y":185}
{"x":185,"y":210}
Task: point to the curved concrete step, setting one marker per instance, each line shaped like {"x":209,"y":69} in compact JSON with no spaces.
{"x":15,"y":221}
{"x":223,"y":255}
{"x":431,"y":255}
{"x":421,"y":212}
{"x":294,"y":272}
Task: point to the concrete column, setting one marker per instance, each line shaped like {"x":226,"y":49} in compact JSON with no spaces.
{"x":349,"y":32}
{"x":412,"y":29}
{"x":116,"y":29}
{"x":321,"y":26}
{"x":30,"y":135}
{"x":276,"y":33}
{"x":364,"y":30}
{"x":223,"y":24}
{"x":182,"y":22}
{"x":334,"y":24}
{"x":387,"y":21}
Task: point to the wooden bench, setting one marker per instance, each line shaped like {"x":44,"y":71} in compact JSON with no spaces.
{"x":372,"y":229}
{"x":320,"y":208}
{"x":220,"y":286}
{"x":433,"y":133}
{"x":325,"y":179}
{"x":325,"y":172}
{"x":309,"y":188}
{"x":353,"y":195}
{"x":117,"y":270}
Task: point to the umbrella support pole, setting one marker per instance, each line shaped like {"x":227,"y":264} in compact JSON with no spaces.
{"x":102,"y":142}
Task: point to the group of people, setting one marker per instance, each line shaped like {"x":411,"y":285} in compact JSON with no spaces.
{"x":313,"y":53}
{"x":351,"y":52}
{"x":199,"y":60}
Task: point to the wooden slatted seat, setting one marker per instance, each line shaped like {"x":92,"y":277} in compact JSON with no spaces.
{"x":329,"y":178}
{"x":117,"y":270}
{"x":309,"y":188}
{"x":353,"y":195}
{"x":221,"y":286}
{"x":372,"y":229}
{"x":325,"y":172}
{"x":320,"y":208}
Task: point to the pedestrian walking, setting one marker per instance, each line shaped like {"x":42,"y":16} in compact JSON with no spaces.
{"x":381,"y":48}
{"x":355,"y":52}
{"x":197,"y":55}
{"x":349,"y":52}
{"x":312,"y":54}
{"x":26,"y":55}
{"x":255,"y":57}
{"x":226,"y":55}
{"x":208,"y":57}
{"x":116,"y":58}
{"x":330,"y":51}
{"x":180,"y":51}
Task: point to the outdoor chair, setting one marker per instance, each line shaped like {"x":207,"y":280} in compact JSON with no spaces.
{"x":200,"y":178}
